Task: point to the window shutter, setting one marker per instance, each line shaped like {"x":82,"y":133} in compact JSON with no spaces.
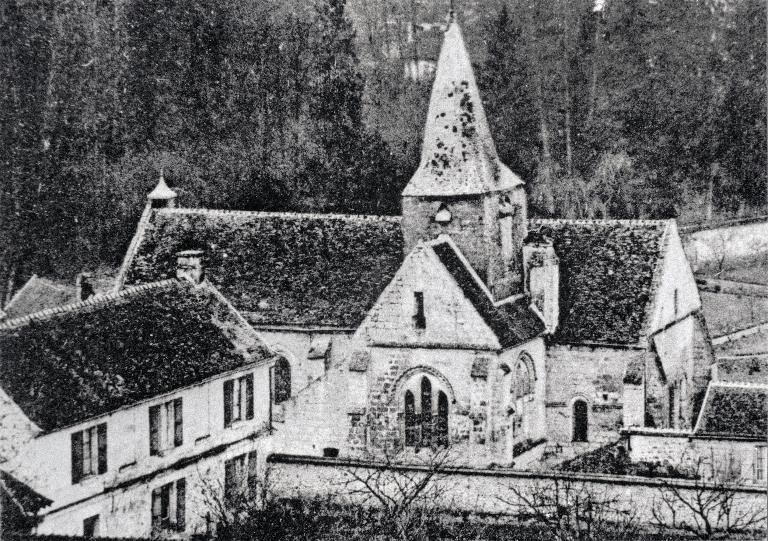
{"x":253,"y":471}
{"x":154,"y":430}
{"x":181,"y":505}
{"x":249,"y":396}
{"x":77,"y":457}
{"x":157,"y":511}
{"x":178,"y":426}
{"x":101,"y":430}
{"x":228,"y":389}
{"x":229,"y":481}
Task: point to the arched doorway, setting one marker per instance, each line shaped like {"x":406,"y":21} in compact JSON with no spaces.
{"x":580,"y":420}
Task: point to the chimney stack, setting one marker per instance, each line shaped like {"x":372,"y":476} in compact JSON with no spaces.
{"x":84,"y":286}
{"x":542,"y":277}
{"x":189,"y":266}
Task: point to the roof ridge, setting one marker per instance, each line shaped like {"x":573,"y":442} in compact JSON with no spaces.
{"x":601,"y":221}
{"x":282,"y":214}
{"x":96,"y":300}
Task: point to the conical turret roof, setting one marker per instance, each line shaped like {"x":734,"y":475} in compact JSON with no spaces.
{"x":162,"y":191}
{"x":458,"y":156}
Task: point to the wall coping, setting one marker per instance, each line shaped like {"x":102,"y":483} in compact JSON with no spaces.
{"x":667,"y":433}
{"x":718,"y":224}
{"x":507,"y":473}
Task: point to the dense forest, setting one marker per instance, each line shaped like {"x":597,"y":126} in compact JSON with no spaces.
{"x":614,"y":108}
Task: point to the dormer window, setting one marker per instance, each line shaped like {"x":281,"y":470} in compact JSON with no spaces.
{"x":443,"y":216}
{"x":418,"y":317}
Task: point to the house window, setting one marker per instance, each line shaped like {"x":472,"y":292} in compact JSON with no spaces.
{"x":426,"y":419}
{"x":580,"y":421}
{"x":419,"y":318}
{"x":240,"y":479}
{"x":758,"y":464}
{"x":238,"y":399}
{"x":282,"y":380}
{"x":89,"y":452}
{"x":91,"y":527}
{"x":166,"y":426}
{"x":169,"y":506}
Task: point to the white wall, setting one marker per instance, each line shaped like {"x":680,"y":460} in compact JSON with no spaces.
{"x":45,"y":463}
{"x":127,"y":512}
{"x":734,"y":242}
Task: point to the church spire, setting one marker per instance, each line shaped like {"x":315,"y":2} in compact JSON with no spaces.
{"x":458,"y":154}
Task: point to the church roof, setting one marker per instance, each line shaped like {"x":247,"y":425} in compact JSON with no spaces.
{"x":65,"y":365}
{"x":734,"y":410}
{"x":282,"y":269}
{"x":608,"y":270}
{"x":38,"y":294}
{"x":458,"y":155}
{"x":512,"y":322}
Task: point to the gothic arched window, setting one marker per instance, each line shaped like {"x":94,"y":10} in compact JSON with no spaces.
{"x":523,"y":379}
{"x":441,"y":427}
{"x":425,"y":414}
{"x":411,"y":424}
{"x":282,"y":380}
{"x":426,"y":410}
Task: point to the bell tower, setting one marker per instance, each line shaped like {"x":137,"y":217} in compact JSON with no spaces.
{"x":461,"y":188}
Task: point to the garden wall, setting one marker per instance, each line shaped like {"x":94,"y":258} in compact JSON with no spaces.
{"x":482,"y":491}
{"x":739,"y":239}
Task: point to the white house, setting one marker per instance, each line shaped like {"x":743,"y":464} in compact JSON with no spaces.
{"x":128,"y":409}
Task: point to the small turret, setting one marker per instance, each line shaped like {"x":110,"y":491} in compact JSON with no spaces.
{"x":162,"y":196}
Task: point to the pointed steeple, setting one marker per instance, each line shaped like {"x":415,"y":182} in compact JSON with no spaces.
{"x":458,"y":155}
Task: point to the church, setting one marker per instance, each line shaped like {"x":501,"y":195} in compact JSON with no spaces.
{"x":461,"y":323}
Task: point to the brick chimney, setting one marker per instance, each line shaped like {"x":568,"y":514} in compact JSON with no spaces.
{"x":84,"y":286}
{"x":542,"y":277}
{"x":189,"y":266}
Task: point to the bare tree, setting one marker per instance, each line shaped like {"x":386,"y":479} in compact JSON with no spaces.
{"x":407,"y":495}
{"x":571,"y":510}
{"x":712,"y":508}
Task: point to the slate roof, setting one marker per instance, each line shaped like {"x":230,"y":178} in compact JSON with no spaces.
{"x":65,"y":365}
{"x":607,"y":271}
{"x":734,"y":410}
{"x":278,"y":268}
{"x":512,"y":322}
{"x":38,"y":294}
{"x":743,"y":369}
{"x":458,"y":155}
{"x":29,"y":501}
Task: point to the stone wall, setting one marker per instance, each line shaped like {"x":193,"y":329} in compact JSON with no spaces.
{"x":303,"y":350}
{"x":484,"y":491}
{"x":682,"y":449}
{"x":594,"y":374}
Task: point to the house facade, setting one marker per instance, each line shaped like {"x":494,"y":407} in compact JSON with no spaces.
{"x":129,"y":406}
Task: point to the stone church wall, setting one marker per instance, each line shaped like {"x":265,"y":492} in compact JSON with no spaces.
{"x":295,"y":346}
{"x":594,"y":374}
